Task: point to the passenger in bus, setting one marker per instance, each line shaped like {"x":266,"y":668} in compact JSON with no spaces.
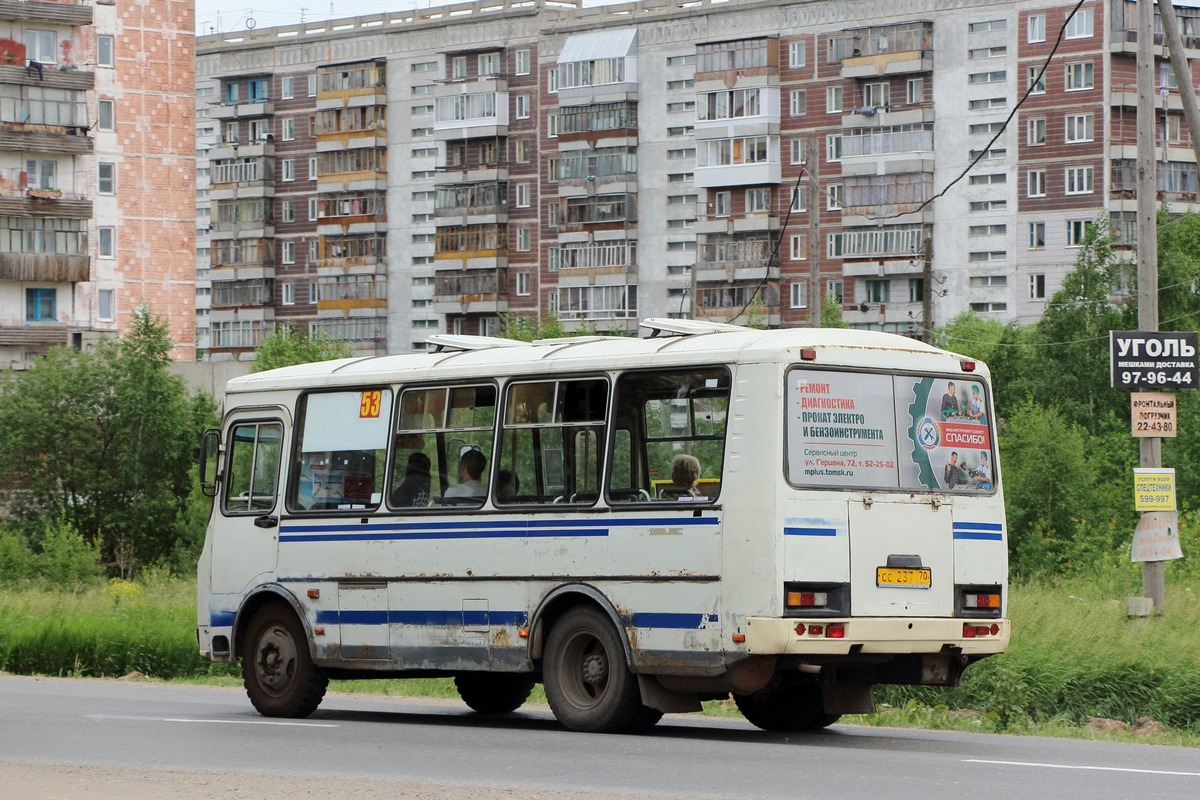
{"x":470,"y":470}
{"x":685,"y":471}
{"x":507,"y":484}
{"x":414,"y":489}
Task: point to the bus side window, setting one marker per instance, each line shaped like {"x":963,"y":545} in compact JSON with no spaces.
{"x":252,"y":475}
{"x":341,"y":444}
{"x":669,"y":414}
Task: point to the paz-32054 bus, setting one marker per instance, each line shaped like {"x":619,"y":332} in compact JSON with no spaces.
{"x":787,"y":516}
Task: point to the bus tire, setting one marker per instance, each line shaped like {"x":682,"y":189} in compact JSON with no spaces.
{"x":789,"y":709}
{"x":588,"y":685}
{"x":491,"y":693}
{"x":277,"y":669}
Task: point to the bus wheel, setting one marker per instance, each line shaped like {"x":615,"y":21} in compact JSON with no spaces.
{"x":797,"y":707}
{"x":490,"y":693}
{"x":277,"y":669}
{"x":588,"y":684}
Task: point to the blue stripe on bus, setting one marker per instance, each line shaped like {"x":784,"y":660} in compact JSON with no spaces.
{"x":221,"y":619}
{"x":979,"y":531}
{"x":790,"y":531}
{"x":476,"y":529}
{"x":434,"y":617}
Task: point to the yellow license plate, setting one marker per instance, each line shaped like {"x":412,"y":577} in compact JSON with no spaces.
{"x":904,"y":577}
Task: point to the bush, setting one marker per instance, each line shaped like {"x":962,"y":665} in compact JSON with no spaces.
{"x":16,"y":559}
{"x":66,"y":560}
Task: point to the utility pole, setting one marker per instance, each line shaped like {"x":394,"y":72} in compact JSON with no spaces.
{"x":927,"y":290}
{"x":812,"y":168}
{"x":1147,"y":246}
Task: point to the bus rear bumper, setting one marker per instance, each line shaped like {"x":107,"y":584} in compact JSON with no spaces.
{"x":875,"y":635}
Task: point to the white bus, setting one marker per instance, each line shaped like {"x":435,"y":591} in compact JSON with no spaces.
{"x":507,"y":513}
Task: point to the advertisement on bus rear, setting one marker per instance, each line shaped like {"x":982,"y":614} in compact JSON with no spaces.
{"x":874,"y":431}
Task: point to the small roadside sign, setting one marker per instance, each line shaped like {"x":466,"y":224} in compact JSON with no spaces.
{"x":1152,"y":414}
{"x":1156,"y":537}
{"x":1154,"y":489}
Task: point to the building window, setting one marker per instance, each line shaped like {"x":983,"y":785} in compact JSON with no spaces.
{"x":287,"y":170}
{"x":722,"y":204}
{"x":104,"y":305}
{"x":522,"y":195}
{"x":798,"y":102}
{"x":836,"y":197}
{"x":105,"y":50}
{"x":876,"y":95}
{"x":987,"y":103}
{"x":552,"y":126}
{"x":1079,"y":128}
{"x":1173,"y":125}
{"x":835,"y":289}
{"x":106,"y":115}
{"x":552,"y":80}
{"x":1036,"y":131}
{"x":287,"y":252}
{"x":524,"y":240}
{"x":489,"y":64}
{"x":798,"y":249}
{"x":287,"y":211}
{"x":522,"y":106}
{"x":1037,"y":183}
{"x":424,"y":66}
{"x":522,"y":284}
{"x":1036,"y":80}
{"x":524,"y":151}
{"x":995,"y":76}
{"x":1079,"y":180}
{"x":799,"y":199}
{"x":877,"y":290}
{"x":312,"y":85}
{"x":833,"y":100}
{"x":523,"y":62}
{"x":833,"y":147}
{"x":107,"y":178}
{"x":987,"y":308}
{"x":1037,"y":28}
{"x":1037,"y":286}
{"x":1076,"y":231}
{"x":989,"y":178}
{"x":916,"y":290}
{"x":799,"y":294}
{"x":914,"y":92}
{"x":1080,"y":76}
{"x":988,"y":205}
{"x":41,"y":46}
{"x":983,"y":256}
{"x":987,"y":53}
{"x":287,"y":88}
{"x":458,"y":68}
{"x":259,"y":130}
{"x":1079,"y":26}
{"x":40,"y":305}
{"x":758,"y":201}
{"x":799,"y":156}
{"x":797,"y":54}
{"x":106,"y":241}
{"x":287,"y":129}
{"x":988,"y":25}
{"x":312,"y":209}
{"x":288,"y":292}
{"x":1037,"y":235}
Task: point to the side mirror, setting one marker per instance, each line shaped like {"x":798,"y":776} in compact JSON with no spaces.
{"x":210,"y":461}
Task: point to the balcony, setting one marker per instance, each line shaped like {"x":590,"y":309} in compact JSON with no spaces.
{"x":48,"y":267}
{"x":343,"y":252}
{"x":75,"y":14}
{"x":598,"y":120}
{"x":264,"y":148}
{"x":487,"y":244}
{"x":885,"y":50}
{"x":599,"y":212}
{"x":362,"y":84}
{"x":467,"y":115}
{"x":720,"y":301}
{"x":34,"y":335}
{"x":243,"y":293}
{"x":19,"y":200}
{"x":345,"y":293}
{"x":597,"y":258}
{"x":464,"y":202}
{"x":248,"y":109}
{"x":474,"y":291}
{"x":732,"y":259}
{"x":51,"y":76}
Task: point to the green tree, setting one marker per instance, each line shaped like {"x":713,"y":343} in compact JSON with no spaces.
{"x":286,"y":347}
{"x":831,"y":312}
{"x":531,"y":328}
{"x":102,"y":442}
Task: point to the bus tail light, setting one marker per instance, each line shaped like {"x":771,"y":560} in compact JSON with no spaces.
{"x":836,"y":630}
{"x":967,"y":365}
{"x":976,"y":631}
{"x":981,"y":601}
{"x":808,"y":354}
{"x":807,"y":599}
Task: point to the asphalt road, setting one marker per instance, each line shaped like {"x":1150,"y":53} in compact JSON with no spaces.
{"x":64,"y":738}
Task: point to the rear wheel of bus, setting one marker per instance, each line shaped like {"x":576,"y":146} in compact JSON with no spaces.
{"x":588,"y":684}
{"x":491,"y":693}
{"x":277,"y":669}
{"x":789,"y":708}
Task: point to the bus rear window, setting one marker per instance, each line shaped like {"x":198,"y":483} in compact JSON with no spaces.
{"x":872,"y":431}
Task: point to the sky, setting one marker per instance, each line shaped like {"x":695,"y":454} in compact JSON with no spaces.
{"x":226,"y":16}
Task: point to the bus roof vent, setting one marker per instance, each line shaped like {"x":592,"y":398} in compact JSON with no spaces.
{"x":687,"y":327}
{"x":442,"y":342}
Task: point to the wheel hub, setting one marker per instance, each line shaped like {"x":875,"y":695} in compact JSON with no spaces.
{"x":595,"y":670}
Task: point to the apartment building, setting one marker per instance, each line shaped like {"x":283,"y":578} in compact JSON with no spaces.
{"x":728,"y":161}
{"x":97,"y":171}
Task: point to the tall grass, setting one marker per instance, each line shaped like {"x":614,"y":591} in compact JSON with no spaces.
{"x":1074,"y":653}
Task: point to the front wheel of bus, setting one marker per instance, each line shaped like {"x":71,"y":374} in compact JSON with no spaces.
{"x":488,"y":693}
{"x":277,"y":669}
{"x":588,"y":684}
{"x":798,"y":707}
